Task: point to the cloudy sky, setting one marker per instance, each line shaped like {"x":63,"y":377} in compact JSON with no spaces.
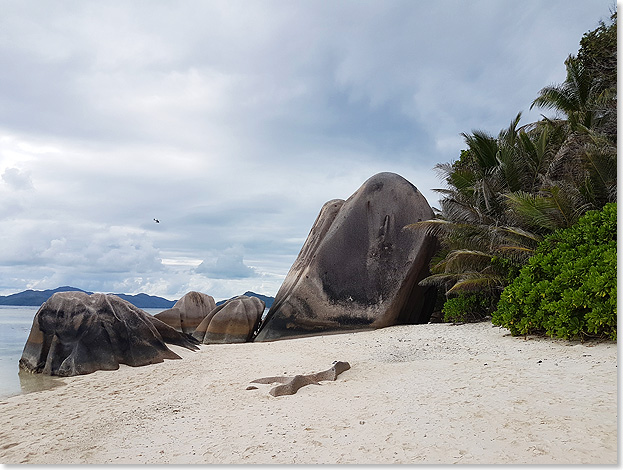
{"x":232,"y":122}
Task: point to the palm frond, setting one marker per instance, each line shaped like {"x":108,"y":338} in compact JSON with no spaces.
{"x":601,"y":163}
{"x":516,"y":253}
{"x":432,"y":227}
{"x":438,"y":280}
{"x":540,"y":212}
{"x":554,"y":97}
{"x":455,"y":210}
{"x":518,"y":233}
{"x":484,"y":147}
{"x":477,"y":283}
{"x":460,"y":261}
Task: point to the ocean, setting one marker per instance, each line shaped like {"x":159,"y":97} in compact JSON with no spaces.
{"x":15,"y":323}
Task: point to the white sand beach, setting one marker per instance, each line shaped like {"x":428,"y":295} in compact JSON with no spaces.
{"x":415,"y":394}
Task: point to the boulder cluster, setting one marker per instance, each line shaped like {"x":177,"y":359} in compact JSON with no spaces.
{"x":196,"y":314}
{"x":359,"y":268}
{"x":74,"y":333}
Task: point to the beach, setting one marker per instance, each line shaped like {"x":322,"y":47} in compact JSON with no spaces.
{"x":414,"y":394}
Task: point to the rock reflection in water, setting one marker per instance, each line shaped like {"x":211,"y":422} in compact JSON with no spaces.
{"x":37,"y":382}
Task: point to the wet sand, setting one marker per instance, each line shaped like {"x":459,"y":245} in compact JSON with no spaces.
{"x":414,"y":394}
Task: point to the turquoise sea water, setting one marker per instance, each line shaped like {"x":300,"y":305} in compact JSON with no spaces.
{"x":15,"y":323}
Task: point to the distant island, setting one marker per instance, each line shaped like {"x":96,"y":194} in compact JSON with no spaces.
{"x":35,"y":298}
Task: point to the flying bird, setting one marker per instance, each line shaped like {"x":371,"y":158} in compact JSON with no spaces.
{"x":157,"y":221}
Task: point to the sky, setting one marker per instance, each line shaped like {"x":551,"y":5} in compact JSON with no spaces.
{"x":232,"y":123}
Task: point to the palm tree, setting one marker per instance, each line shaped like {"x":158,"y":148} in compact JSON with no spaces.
{"x":600,"y":170}
{"x":478,"y":234}
{"x":506,"y":193}
{"x":577,"y":97}
{"x":552,"y":208}
{"x":499,"y":204}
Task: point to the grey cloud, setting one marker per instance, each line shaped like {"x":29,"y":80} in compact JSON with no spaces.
{"x":130,"y":83}
{"x":233,"y":122}
{"x":17,"y":179}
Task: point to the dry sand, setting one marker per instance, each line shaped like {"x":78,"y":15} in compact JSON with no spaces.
{"x":434,"y":393}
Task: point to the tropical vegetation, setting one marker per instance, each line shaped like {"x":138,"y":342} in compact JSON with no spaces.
{"x":569,"y":287}
{"x":507,"y":194}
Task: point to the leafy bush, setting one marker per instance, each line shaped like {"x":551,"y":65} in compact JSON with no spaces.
{"x":568,"y":288}
{"x":466,"y":308}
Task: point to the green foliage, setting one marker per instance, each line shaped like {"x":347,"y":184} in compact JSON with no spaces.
{"x":466,"y":308}
{"x":598,"y":52}
{"x":568,"y":288}
{"x":509,"y":191}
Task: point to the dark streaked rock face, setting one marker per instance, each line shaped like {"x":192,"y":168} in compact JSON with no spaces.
{"x":74,"y":333}
{"x":233,"y":322}
{"x":358,"y":268}
{"x":188,"y":312}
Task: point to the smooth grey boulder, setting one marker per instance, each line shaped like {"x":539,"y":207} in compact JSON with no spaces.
{"x":188,"y":312}
{"x":74,"y":333}
{"x":235,"y":321}
{"x":359,"y":267}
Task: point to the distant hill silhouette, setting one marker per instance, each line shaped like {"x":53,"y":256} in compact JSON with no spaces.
{"x":267,"y":299}
{"x":36,"y":297}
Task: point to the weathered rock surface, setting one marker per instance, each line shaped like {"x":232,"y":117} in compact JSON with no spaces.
{"x":291,"y":385}
{"x":233,"y":322}
{"x":359,"y":268}
{"x":75,"y":333}
{"x":188,"y":312}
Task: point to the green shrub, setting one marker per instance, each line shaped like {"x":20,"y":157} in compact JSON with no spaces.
{"x":568,"y":288}
{"x":466,"y":308}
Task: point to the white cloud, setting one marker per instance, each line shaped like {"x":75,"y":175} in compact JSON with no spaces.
{"x":227,"y":264}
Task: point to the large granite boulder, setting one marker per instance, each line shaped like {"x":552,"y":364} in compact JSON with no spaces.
{"x":188,"y":312}
{"x":359,"y":267}
{"x":235,"y":321}
{"x":75,"y":333}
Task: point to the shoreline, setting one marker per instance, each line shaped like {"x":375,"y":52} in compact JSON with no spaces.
{"x":436,"y":393}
